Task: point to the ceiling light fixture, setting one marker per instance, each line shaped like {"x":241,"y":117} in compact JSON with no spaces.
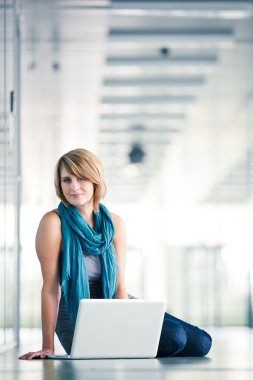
{"x":139,"y":35}
{"x":143,"y":116}
{"x":189,"y":38}
{"x":182,"y":80}
{"x":166,"y":99}
{"x":185,"y":9}
{"x":136,"y":154}
{"x":161,"y":60}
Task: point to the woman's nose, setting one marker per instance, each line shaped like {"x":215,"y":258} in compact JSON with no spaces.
{"x":74,"y":185}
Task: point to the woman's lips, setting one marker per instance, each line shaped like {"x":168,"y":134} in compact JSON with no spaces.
{"x":75,"y":195}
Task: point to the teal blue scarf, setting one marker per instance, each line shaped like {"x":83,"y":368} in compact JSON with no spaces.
{"x":78,"y":237}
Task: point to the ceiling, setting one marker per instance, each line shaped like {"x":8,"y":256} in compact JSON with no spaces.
{"x":156,"y":88}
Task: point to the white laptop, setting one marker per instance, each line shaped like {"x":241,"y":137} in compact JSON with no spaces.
{"x":116,"y":328}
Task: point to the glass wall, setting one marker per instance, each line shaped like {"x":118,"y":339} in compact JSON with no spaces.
{"x":9,"y":175}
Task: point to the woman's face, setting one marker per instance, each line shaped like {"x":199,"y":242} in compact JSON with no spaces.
{"x":77,"y":191}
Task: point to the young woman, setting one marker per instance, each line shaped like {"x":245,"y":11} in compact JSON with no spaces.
{"x":81,"y":247}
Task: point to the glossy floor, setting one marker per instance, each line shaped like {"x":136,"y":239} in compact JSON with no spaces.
{"x":231,"y":358}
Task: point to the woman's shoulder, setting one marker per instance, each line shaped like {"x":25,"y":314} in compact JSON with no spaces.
{"x":116,"y":218}
{"x":49,"y":236}
{"x":117,"y":221}
{"x":119,"y":227}
{"x":51,"y":218}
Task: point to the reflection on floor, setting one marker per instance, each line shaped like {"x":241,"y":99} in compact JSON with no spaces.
{"x":231,"y":358}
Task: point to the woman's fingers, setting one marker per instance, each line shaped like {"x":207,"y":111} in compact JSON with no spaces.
{"x":28,"y":356}
{"x":25,"y":356}
{"x":33,"y":355}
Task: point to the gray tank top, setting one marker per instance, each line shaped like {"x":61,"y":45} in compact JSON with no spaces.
{"x":93,"y":265}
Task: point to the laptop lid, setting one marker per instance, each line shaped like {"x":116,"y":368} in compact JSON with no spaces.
{"x":117,"y":328}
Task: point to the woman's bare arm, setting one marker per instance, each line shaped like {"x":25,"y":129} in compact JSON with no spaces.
{"x":120,"y":244}
{"x":48,"y":247}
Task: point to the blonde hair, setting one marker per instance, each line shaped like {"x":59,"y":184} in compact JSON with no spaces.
{"x":83,"y":164}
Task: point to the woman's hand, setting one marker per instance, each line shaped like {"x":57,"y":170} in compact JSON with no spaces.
{"x":121,"y":294}
{"x":42,"y":354}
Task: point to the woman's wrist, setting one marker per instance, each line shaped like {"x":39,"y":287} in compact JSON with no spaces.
{"x":49,"y":349}
{"x":48,"y":346}
{"x":121,"y":293}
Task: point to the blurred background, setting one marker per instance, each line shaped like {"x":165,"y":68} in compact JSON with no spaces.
{"x":162,"y":92}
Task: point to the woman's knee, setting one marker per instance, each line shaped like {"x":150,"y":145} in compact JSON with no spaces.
{"x":173,"y":340}
{"x":200,"y":345}
{"x":205,"y":344}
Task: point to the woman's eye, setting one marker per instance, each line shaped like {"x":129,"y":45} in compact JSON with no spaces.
{"x":66,"y":180}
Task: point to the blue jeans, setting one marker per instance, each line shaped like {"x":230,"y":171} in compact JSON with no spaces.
{"x":178,"y":338}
